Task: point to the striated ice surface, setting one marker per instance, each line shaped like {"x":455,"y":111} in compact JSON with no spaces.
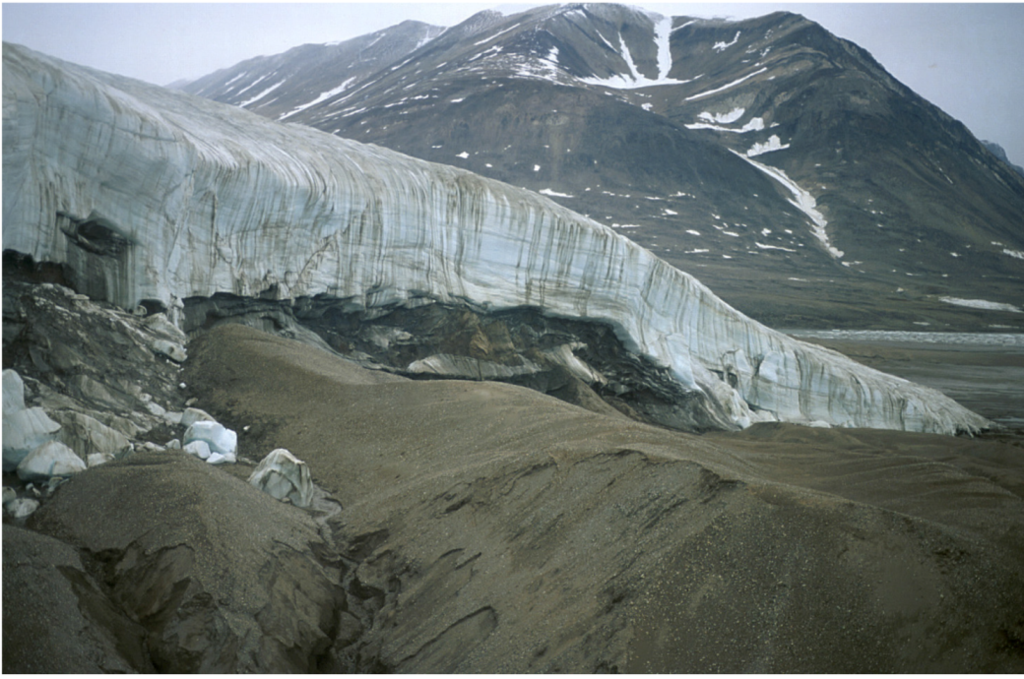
{"x":153,"y":194}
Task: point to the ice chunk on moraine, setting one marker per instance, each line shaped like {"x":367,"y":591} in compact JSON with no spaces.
{"x":219,"y":438}
{"x":24,"y":431}
{"x":14,"y":392}
{"x":282,"y":476}
{"x":19,"y":508}
{"x":200,"y":449}
{"x":53,"y":458}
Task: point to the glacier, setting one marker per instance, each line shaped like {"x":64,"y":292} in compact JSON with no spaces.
{"x":144,"y":193}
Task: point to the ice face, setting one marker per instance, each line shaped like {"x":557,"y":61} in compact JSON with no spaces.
{"x":152,"y":194}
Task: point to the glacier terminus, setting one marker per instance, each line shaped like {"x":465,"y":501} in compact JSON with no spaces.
{"x":151,"y":195}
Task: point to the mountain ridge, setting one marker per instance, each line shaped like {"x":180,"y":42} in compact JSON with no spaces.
{"x":844,"y":155}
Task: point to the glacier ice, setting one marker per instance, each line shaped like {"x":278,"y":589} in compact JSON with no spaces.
{"x":53,"y":458}
{"x":217,"y":437}
{"x":147,"y":193}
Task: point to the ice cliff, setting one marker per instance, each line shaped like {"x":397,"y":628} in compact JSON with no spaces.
{"x":149,"y":194}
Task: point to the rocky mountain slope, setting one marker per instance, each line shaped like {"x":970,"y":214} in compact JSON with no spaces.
{"x":760,"y":155}
{"x":150,"y":197}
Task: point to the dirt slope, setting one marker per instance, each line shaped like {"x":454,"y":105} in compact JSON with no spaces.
{"x":502,"y":530}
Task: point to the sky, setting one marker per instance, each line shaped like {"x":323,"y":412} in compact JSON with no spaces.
{"x":968,"y":59}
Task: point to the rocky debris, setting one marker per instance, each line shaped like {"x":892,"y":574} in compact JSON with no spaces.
{"x":489,"y":528}
{"x":87,"y":435}
{"x":87,"y":357}
{"x":49,"y":460}
{"x":79,"y":378}
{"x":284,"y":477}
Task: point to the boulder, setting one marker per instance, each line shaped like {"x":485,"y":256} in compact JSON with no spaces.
{"x":9,"y":494}
{"x":162,"y":327}
{"x":220,"y":439}
{"x":53,"y":458}
{"x":283,"y":476}
{"x":99,"y":394}
{"x":24,"y":431}
{"x":192,"y":415}
{"x":169,"y":349}
{"x":88,"y":435}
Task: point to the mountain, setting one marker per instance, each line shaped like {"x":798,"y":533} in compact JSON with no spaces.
{"x":152,"y":197}
{"x":780,"y":164}
{"x":1000,"y":153}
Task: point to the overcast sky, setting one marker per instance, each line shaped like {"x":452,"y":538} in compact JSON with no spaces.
{"x":966,"y":58}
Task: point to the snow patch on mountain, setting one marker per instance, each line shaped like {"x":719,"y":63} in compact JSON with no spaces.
{"x":662,"y":33}
{"x":261,"y":95}
{"x":802,"y":200}
{"x":773,"y":144}
{"x":723,"y":118}
{"x":722,"y":46}
{"x":727,"y":86}
{"x":634,"y":79}
{"x":323,"y":96}
{"x":753,"y":125}
{"x":981,"y":304}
